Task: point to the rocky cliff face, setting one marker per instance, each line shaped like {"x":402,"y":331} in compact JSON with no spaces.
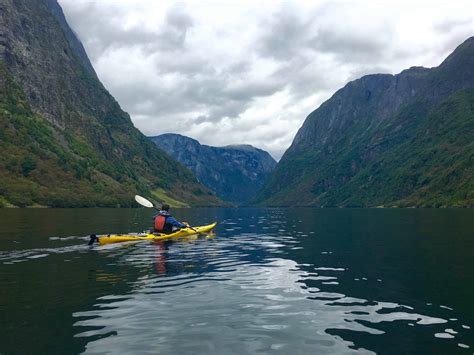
{"x":403,"y":140}
{"x":65,"y":140}
{"x":234,"y":173}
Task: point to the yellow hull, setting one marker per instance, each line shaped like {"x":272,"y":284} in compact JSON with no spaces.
{"x":119,"y":238}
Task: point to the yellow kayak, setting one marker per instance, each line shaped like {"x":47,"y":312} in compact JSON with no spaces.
{"x":118,"y":238}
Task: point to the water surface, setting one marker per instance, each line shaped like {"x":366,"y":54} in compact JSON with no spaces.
{"x":269,"y":281}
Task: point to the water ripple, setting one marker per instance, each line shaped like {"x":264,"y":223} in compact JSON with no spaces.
{"x":241,"y":295}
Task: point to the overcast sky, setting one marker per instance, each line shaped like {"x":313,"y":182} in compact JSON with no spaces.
{"x":235,"y":72}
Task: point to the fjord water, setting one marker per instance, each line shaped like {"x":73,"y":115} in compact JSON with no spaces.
{"x":303,"y":281}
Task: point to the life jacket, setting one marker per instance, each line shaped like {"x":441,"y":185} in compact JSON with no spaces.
{"x":160,"y":223}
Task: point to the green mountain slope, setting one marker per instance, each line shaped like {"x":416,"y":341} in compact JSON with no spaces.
{"x":404,"y":140}
{"x":64,"y":139}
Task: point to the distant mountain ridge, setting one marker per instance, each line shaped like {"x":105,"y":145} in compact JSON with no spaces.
{"x":386,"y":140}
{"x":234,"y":172}
{"x":65,"y":141}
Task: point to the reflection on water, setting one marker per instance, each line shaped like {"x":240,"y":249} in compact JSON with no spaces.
{"x":272,"y":281}
{"x":246,"y":303}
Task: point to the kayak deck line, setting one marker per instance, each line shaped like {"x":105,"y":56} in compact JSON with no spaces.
{"x":118,"y":238}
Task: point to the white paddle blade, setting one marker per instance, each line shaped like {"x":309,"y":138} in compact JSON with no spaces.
{"x":143,"y":201}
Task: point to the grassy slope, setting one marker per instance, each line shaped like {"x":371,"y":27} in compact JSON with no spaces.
{"x":428,"y":163}
{"x":43,"y":165}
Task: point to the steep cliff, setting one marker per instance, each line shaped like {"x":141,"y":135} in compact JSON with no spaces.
{"x":235,"y":172}
{"x":64,"y":139}
{"x":392,"y":140}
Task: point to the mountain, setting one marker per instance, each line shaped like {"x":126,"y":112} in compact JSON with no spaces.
{"x":64,"y":139}
{"x":235,"y":172}
{"x":386,"y":140}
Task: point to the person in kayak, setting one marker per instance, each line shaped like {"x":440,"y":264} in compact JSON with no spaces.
{"x":165,"y":223}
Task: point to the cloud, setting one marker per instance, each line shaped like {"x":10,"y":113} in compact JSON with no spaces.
{"x":172,"y":35}
{"x":242,"y":72}
{"x":284,"y":34}
{"x":451,"y":24}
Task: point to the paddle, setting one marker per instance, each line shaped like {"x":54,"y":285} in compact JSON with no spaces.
{"x":146,"y":203}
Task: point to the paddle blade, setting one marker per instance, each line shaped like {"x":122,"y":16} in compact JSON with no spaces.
{"x":143,"y":201}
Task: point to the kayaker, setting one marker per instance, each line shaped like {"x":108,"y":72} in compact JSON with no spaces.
{"x":165,"y":223}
